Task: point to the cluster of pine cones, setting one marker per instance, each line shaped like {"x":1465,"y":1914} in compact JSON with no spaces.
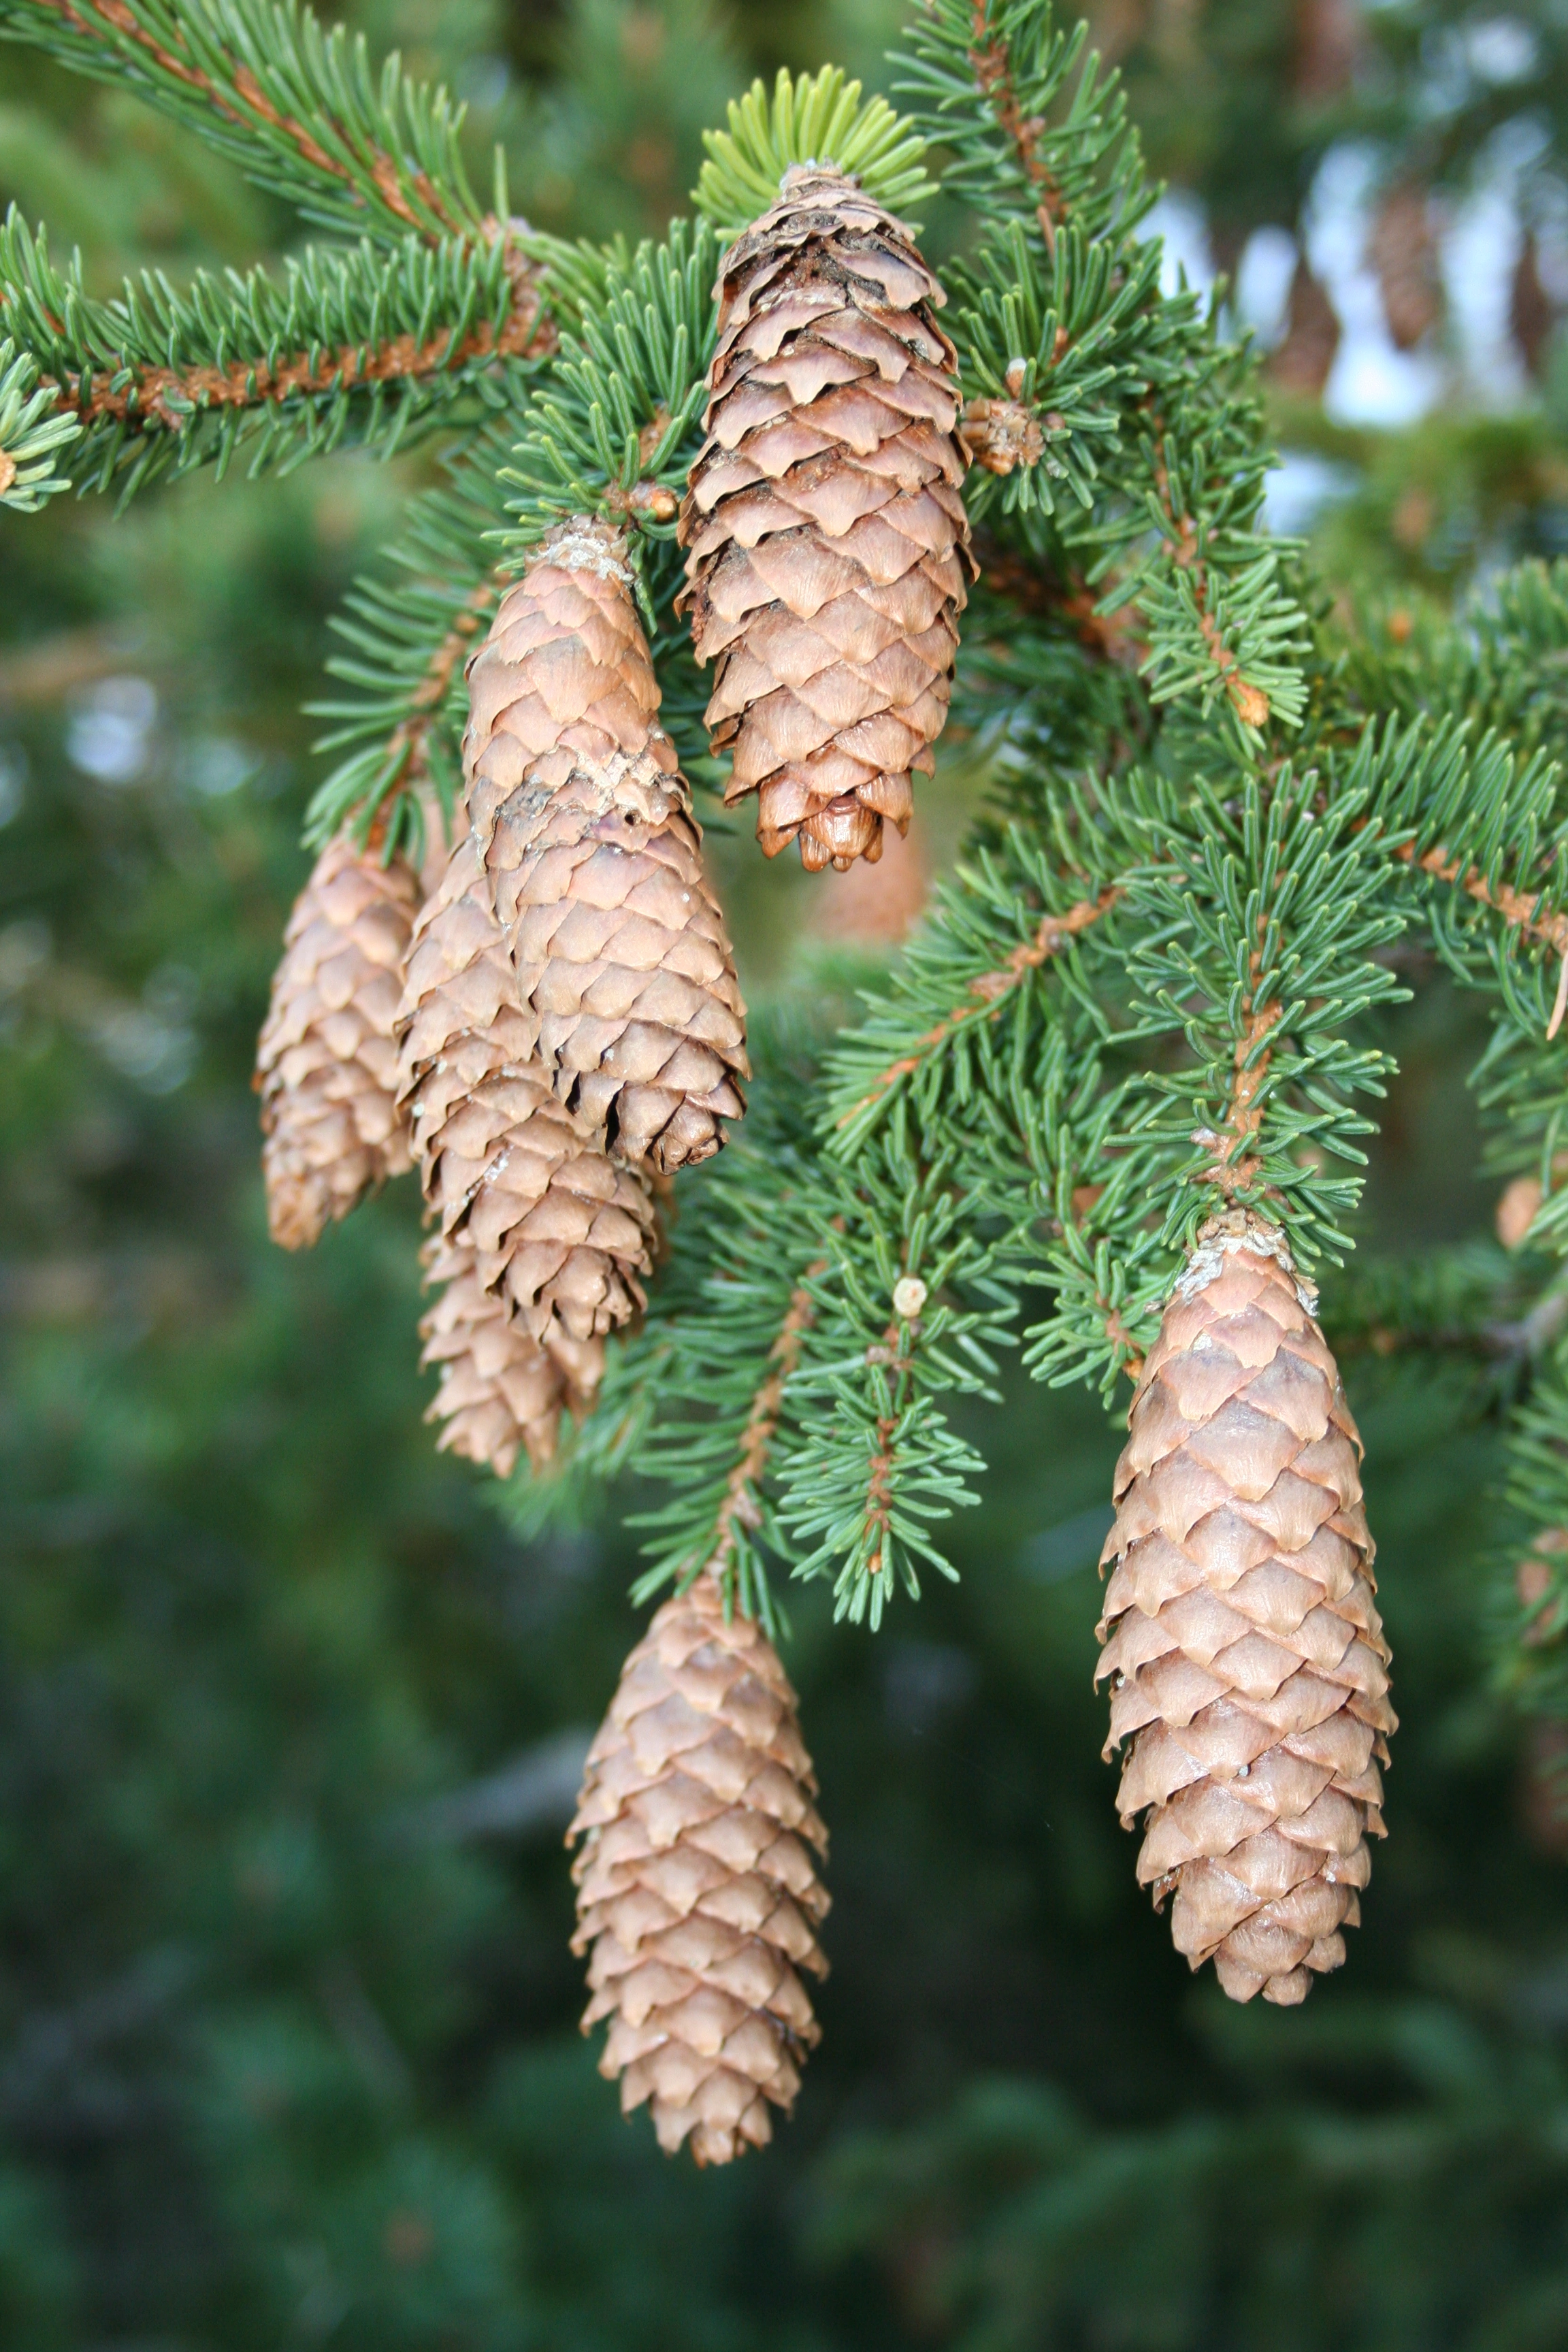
{"x":547,"y":1022}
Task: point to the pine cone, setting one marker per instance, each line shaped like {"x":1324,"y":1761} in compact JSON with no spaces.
{"x":825,"y":521}
{"x":695,"y":1887}
{"x":1403,"y":253}
{"x":1246,"y":1658}
{"x":326,"y":1062}
{"x":586,"y":824}
{"x":501,"y":1389}
{"x":1531,"y":311}
{"x":1304,"y":362}
{"x":562,"y":1231}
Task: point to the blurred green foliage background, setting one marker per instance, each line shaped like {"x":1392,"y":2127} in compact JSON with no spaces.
{"x":290,"y":1721}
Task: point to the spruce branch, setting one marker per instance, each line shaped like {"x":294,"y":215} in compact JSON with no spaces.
{"x":357,"y":346}
{"x":739,"y":1508}
{"x":298,"y":109}
{"x":1078,"y":370}
{"x":978,"y":952}
{"x":409,"y":634}
{"x":1219,"y":620}
{"x":720,"y":1520}
{"x":1529,"y":913}
{"x":724,"y":1335}
{"x":990,"y":81}
{"x":616,"y":430}
{"x":913,"y":1305}
{"x":1470,"y":821}
{"x":1048,"y":364}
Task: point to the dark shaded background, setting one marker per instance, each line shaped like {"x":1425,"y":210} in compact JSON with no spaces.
{"x":287,"y":2054}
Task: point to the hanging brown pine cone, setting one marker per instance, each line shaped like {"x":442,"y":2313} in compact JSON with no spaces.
{"x":1247,"y":1659}
{"x":560,"y":1230}
{"x":1403,"y":251}
{"x":584,"y":822}
{"x":502,"y":1391}
{"x":326,"y":1062}
{"x":695,"y":1887}
{"x":825,"y":521}
{"x":1304,"y":360}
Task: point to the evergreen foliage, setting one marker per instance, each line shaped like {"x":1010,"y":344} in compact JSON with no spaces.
{"x":298,"y":108}
{"x":1232,"y":833}
{"x":1160,"y":984}
{"x":356,"y":346}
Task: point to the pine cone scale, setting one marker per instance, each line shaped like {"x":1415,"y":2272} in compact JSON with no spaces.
{"x":1247,"y":1665}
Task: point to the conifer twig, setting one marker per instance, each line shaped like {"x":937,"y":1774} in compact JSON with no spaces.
{"x":1244,"y":1112}
{"x":1516,"y":907}
{"x":293,"y":105}
{"x":739,"y":1506}
{"x":991,"y":58}
{"x":356,"y":343}
{"x":986,"y":992}
{"x":167,"y":396}
{"x":1249,"y":703}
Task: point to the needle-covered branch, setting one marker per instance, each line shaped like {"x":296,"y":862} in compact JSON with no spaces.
{"x":963,"y":1001}
{"x":409,"y":635}
{"x":614,"y":430}
{"x":356,"y":345}
{"x":991,"y":80}
{"x":298,"y":108}
{"x":913,"y":1305}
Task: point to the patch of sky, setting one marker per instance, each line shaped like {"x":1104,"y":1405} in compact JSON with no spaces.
{"x":109,"y":730}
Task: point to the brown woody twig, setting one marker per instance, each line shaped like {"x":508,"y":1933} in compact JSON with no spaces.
{"x":740,"y":1505}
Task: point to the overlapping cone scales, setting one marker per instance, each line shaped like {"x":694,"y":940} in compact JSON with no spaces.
{"x":697,"y":1893}
{"x":502,"y":1391}
{"x":326,"y":1062}
{"x":559,"y":1230}
{"x":1248,"y":1670}
{"x":825,"y":521}
{"x":623,"y":966}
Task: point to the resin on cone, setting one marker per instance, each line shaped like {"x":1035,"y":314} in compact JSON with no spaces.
{"x":697,"y":1893}
{"x":584,"y":822}
{"x":561,"y":1232}
{"x":825,"y":521}
{"x":502,"y":1391}
{"x":326,"y":1062}
{"x":1248,"y":1666}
